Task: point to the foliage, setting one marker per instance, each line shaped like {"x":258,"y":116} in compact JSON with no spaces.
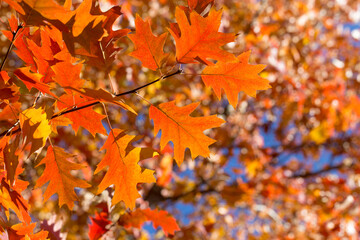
{"x":98,"y":100}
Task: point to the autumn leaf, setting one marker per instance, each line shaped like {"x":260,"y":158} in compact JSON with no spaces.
{"x":57,"y":173}
{"x":10,"y":198}
{"x":9,"y":92}
{"x":35,"y":127}
{"x":124,"y":171}
{"x":15,"y":5}
{"x":83,"y":18}
{"x":49,"y":9}
{"x":11,"y":159}
{"x":148,"y":47}
{"x":103,"y":52}
{"x":26,"y":231}
{"x":59,"y":121}
{"x":86,"y":117}
{"x":234,"y":77}
{"x":103,"y":96}
{"x":159,"y":218}
{"x":86,"y":28}
{"x":33,"y":80}
{"x":42,"y":12}
{"x":67,"y":73}
{"x":97,"y":227}
{"x":183,"y":130}
{"x":199,"y":38}
{"x":199,"y":5}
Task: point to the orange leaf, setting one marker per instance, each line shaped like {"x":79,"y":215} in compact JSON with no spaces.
{"x":59,"y":121}
{"x":184,"y":131}
{"x":86,"y":117}
{"x":48,"y":9}
{"x":33,"y":80}
{"x":234,"y":77}
{"x":124,"y":171}
{"x":67,"y":74}
{"x":15,"y":6}
{"x":25,"y":231}
{"x":101,"y":53}
{"x":11,"y":159}
{"x":158,"y":217}
{"x":57,"y":171}
{"x":148,"y":47}
{"x":201,"y":39}
{"x":10,"y":198}
{"x":162,"y":219}
{"x":83,"y":18}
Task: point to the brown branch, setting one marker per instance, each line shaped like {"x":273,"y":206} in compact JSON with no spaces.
{"x":10,"y":46}
{"x":75,"y":108}
{"x":315,"y":173}
{"x":154,"y":196}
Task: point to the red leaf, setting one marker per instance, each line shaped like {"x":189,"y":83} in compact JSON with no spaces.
{"x":97,"y":227}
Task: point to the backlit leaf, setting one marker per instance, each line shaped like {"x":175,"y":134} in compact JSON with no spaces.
{"x":86,"y":117}
{"x":148,"y":47}
{"x":199,"y":38}
{"x":159,"y":218}
{"x":234,"y":77}
{"x":124,"y":171}
{"x":57,"y":173}
{"x":183,"y":130}
{"x":35,"y":127}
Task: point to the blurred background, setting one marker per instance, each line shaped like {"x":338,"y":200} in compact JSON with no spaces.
{"x":286,"y":165}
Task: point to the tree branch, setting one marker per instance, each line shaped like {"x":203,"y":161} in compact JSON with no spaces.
{"x":315,"y":173}
{"x":10,"y":46}
{"x":75,"y":108}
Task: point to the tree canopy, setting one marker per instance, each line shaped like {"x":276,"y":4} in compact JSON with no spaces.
{"x":195,"y":119}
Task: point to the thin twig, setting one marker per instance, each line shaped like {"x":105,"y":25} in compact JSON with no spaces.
{"x":316,"y":173}
{"x":10,"y":46}
{"x":75,"y":108}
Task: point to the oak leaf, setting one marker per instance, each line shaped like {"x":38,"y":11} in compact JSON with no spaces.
{"x":11,"y":159}
{"x":57,"y":173}
{"x":33,"y":80}
{"x":199,"y":38}
{"x":42,"y":12}
{"x":86,"y":117}
{"x":234,"y":77}
{"x":67,"y":73}
{"x":35,"y":127}
{"x":97,"y":227}
{"x":124,"y":171}
{"x":148,"y":47}
{"x":83,"y":18}
{"x":15,"y":5}
{"x":183,"y":130}
{"x":106,"y":50}
{"x":159,"y":218}
{"x":59,"y":121}
{"x":199,"y":5}
{"x":9,"y":92}
{"x":25,"y":231}
{"x":11,"y":198}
